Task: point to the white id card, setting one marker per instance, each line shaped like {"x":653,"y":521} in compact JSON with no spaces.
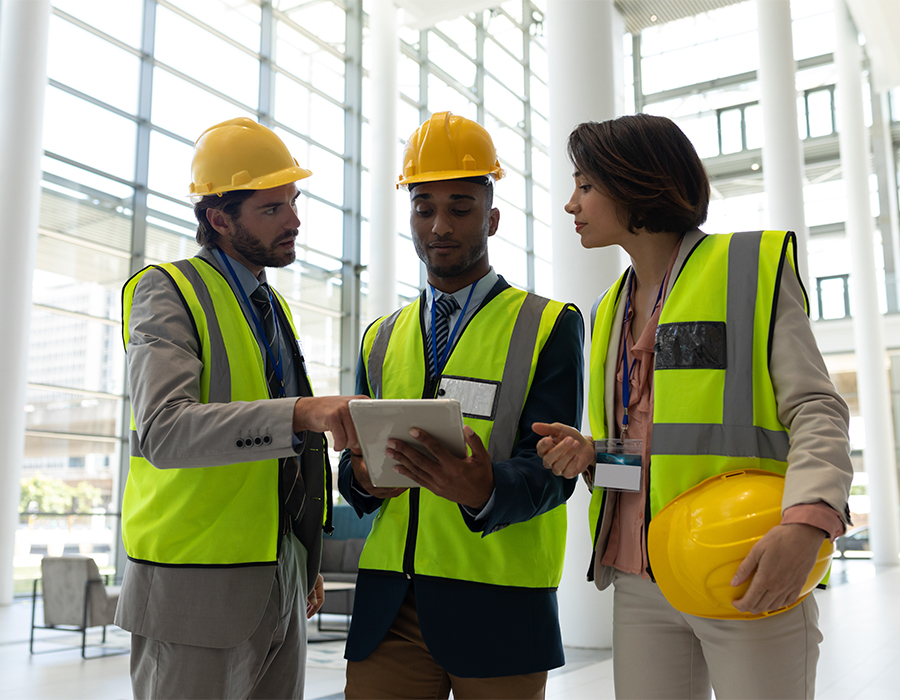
{"x":618,"y":466}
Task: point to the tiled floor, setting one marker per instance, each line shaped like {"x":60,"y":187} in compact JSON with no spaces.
{"x":860,"y":616}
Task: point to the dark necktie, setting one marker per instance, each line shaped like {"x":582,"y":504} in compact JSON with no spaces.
{"x":443,"y":309}
{"x":293,"y":491}
{"x":260,"y":297}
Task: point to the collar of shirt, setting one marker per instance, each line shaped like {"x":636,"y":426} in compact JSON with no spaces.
{"x":482,"y":288}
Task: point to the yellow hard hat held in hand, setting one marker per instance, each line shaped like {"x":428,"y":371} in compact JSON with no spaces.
{"x":448,"y":147}
{"x":241,"y":154}
{"x":698,"y":540}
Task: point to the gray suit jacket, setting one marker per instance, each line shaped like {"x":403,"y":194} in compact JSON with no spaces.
{"x":819,"y":467}
{"x":203,"y":606}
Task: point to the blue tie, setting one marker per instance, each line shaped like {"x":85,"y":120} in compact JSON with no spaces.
{"x":443,"y":309}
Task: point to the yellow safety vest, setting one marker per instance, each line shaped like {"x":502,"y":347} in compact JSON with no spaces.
{"x":224,"y":515}
{"x":714,"y":406}
{"x":419,"y":533}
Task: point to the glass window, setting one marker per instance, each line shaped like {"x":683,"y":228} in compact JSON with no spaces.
{"x":321,"y":229}
{"x":92,"y":65}
{"x":461,"y":31}
{"x":91,"y":135}
{"x":513,"y":226}
{"x":193,"y":51}
{"x":325,"y":19}
{"x":302,"y":57}
{"x":504,"y":67}
{"x":502,"y":103}
{"x":510,"y":146}
{"x":504,"y":31}
{"x":236,"y":20}
{"x":170,"y":165}
{"x":819,"y":105}
{"x":443,"y":98}
{"x":753,"y":126}
{"x":510,"y":261}
{"x":451,"y":61}
{"x":408,"y":72}
{"x":171,"y":96}
{"x":731,"y":130}
{"x":309,"y":113}
{"x":122,"y":19}
{"x":327,"y":180}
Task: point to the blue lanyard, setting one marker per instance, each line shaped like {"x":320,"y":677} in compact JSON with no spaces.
{"x":626,"y":386}
{"x":438,"y":367}
{"x":276,"y":363}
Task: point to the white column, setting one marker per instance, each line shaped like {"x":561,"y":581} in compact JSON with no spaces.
{"x":782,"y":150}
{"x":868,"y":331}
{"x":584,"y":41}
{"x":385,"y":165}
{"x":24,"y":28}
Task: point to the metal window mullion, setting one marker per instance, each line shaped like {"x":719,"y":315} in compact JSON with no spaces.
{"x":480,"y":37}
{"x":352,"y":219}
{"x":266,"y":100}
{"x":422,"y":58}
{"x":529,"y":173}
{"x":638,"y":75}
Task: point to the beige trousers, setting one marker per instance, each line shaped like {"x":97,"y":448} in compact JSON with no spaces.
{"x":659,"y":652}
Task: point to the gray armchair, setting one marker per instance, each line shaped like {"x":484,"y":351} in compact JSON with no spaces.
{"x":75,"y":599}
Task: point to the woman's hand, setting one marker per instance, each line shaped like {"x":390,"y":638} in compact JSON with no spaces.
{"x":565,"y":451}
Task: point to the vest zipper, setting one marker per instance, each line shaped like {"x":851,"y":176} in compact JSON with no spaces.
{"x":647,"y":528}
{"x":409,"y":552}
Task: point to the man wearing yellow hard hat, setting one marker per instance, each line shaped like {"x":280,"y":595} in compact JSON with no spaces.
{"x":228,"y":490}
{"x":457,"y":581}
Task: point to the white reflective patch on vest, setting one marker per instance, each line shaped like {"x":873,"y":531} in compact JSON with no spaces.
{"x":477,"y":397}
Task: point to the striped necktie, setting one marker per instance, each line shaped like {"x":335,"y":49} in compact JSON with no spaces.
{"x":443,"y":309}
{"x":260,"y":297}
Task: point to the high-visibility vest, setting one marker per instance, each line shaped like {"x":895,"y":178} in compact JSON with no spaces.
{"x":223,"y":515}
{"x":419,"y":533}
{"x":714,"y":407}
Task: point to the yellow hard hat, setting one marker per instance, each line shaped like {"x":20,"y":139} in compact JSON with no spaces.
{"x":696,"y":542}
{"x":241,"y":154}
{"x":448,"y":147}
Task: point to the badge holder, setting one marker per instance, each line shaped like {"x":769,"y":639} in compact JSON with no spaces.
{"x":618,"y":466}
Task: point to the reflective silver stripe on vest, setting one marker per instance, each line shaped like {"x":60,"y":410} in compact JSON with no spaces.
{"x":220,"y":369}
{"x":136,"y":445}
{"x":737,"y":436}
{"x":375,"y":368}
{"x":514,"y":385}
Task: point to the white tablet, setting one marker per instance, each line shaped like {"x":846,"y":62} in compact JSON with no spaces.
{"x":380,"y":420}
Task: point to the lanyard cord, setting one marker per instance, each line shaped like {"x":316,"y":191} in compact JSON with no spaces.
{"x":438,"y":367}
{"x":276,"y":363}
{"x":626,"y":386}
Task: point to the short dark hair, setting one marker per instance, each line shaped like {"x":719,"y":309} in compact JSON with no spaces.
{"x":228,"y":203}
{"x":484,"y":180}
{"x":648,"y":167}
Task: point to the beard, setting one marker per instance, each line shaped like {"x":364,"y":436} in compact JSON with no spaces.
{"x":255,"y":251}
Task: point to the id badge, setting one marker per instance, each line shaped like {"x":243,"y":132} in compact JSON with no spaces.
{"x":618,"y":466}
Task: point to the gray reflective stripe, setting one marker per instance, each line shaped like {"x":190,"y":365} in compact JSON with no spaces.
{"x":726,"y":440}
{"x":743,"y":279}
{"x":136,"y":445}
{"x":375,"y":367}
{"x":220,"y":370}
{"x":737,"y":436}
{"x":514,"y":385}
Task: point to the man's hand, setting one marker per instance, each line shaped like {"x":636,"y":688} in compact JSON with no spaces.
{"x":469,"y":481}
{"x":565,"y":451}
{"x":316,"y":598}
{"x":780,"y":563}
{"x":331,"y":414}
{"x":361,"y":474}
